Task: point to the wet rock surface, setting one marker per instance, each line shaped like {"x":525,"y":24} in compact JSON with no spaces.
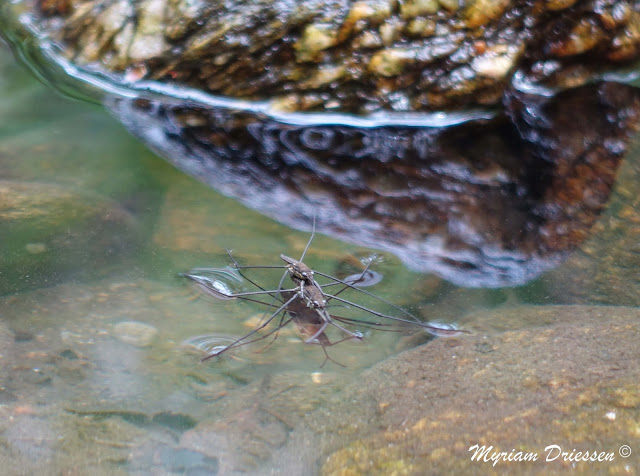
{"x":567,"y":377}
{"x":352,"y":56}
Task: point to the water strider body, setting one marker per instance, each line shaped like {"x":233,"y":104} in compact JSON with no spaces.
{"x":310,"y":292}
{"x":306,"y":304}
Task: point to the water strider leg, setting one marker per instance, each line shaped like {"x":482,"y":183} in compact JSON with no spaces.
{"x":256,"y":293}
{"x":326,"y":320}
{"x":317,"y":334}
{"x":367,"y":293}
{"x":240,"y":268}
{"x":257,"y":329}
{"x":345,"y":283}
{"x":275,"y":331}
{"x":352,"y":335}
{"x":437,"y":331}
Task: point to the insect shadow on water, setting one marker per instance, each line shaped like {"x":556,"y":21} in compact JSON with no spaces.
{"x":306,"y":304}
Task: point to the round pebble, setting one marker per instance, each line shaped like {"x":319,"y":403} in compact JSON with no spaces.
{"x":135,"y":333}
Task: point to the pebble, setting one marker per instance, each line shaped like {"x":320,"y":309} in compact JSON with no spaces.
{"x":135,"y":333}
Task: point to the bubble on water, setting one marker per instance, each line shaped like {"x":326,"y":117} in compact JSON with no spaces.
{"x":210,"y":344}
{"x":442,"y":329}
{"x":362,"y":280}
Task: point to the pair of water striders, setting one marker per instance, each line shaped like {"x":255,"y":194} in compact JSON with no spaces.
{"x":306,"y":304}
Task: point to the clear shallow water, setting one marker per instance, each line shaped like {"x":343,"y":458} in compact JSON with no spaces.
{"x":95,"y":375}
{"x":95,"y":328}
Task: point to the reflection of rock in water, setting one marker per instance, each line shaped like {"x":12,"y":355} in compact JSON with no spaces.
{"x":608,"y":261}
{"x":486,"y":203}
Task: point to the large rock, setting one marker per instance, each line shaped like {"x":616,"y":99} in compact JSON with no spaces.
{"x":351,"y":56}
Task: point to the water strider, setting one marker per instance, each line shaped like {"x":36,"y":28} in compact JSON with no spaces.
{"x":306,"y":304}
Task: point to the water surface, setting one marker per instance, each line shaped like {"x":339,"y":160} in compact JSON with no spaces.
{"x":96,"y":376}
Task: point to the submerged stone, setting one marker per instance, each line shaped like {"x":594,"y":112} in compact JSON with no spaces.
{"x":48,"y":231}
{"x":551,"y":377}
{"x":135,"y":333}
